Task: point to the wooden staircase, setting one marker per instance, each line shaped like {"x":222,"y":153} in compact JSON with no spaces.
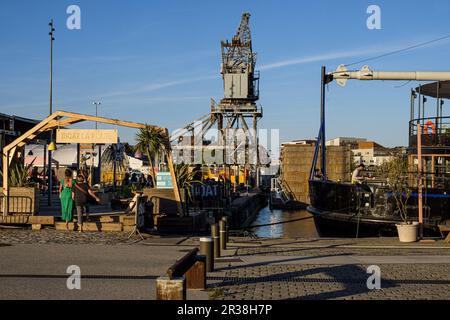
{"x":113,"y":223}
{"x":54,"y":209}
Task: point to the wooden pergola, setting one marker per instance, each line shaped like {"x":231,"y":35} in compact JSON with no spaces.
{"x":61,"y":119}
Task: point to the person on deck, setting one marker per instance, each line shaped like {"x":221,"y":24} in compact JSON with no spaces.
{"x":357,"y":178}
{"x":65,"y":195}
{"x":81,"y":194}
{"x":360,"y":180}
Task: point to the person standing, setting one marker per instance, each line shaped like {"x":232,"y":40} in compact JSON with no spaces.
{"x":65,"y":195}
{"x":81,"y":194}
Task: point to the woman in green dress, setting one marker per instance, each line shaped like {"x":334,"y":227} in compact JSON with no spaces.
{"x":65,"y":194}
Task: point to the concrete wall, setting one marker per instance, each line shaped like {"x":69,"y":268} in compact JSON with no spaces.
{"x":296,"y":163}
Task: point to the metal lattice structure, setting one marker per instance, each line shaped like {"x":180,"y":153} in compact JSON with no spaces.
{"x":237,"y":110}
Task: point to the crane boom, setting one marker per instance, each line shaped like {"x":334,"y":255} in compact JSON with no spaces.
{"x":341,"y":75}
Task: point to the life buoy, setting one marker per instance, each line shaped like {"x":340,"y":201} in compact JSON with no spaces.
{"x":428,"y":125}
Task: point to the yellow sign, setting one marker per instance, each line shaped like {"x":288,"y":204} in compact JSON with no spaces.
{"x":86,"y":136}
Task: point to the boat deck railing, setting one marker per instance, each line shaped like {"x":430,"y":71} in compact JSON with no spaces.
{"x":435,"y":132}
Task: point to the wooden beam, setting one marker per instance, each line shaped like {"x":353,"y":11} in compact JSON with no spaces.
{"x":5,"y":182}
{"x":116,"y":122}
{"x":53,"y":121}
{"x":32,"y":131}
{"x":63,"y":123}
{"x":11,"y":155}
{"x":27,"y":219}
{"x":50,"y":126}
{"x":176,"y":190}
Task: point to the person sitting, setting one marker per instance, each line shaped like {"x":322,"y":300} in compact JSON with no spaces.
{"x":357,"y":178}
{"x":360,"y":180}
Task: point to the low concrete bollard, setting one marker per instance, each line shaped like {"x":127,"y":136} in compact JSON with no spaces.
{"x":223,"y":235}
{"x":216,"y":238}
{"x":207,"y":250}
{"x":171,"y":289}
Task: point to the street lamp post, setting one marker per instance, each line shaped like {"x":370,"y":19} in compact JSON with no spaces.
{"x":96,"y":104}
{"x":50,"y":175}
{"x":99,"y":163}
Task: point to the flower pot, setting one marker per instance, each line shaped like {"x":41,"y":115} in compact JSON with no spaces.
{"x":407,"y":232}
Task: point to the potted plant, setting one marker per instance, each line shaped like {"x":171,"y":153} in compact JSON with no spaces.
{"x":395,"y":172}
{"x":22,"y":187}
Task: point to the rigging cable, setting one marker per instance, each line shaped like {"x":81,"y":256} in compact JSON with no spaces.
{"x":399,"y":50}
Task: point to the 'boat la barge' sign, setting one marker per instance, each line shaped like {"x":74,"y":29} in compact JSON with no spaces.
{"x":86,"y":136}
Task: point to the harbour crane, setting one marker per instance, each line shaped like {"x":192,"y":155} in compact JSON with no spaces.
{"x":237,"y":110}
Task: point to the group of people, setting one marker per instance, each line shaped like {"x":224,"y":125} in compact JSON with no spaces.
{"x":138,"y":179}
{"x":41,"y":179}
{"x":75,"y":193}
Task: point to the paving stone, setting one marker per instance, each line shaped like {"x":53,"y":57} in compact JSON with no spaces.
{"x":347,"y":282}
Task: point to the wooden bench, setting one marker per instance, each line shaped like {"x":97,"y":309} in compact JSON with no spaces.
{"x":188,"y":272}
{"x":445,"y":227}
{"x":193,"y":267}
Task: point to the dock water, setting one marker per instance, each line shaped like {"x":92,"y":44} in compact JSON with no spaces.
{"x":304,"y":228}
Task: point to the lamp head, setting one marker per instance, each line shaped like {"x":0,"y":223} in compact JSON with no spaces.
{"x":52,"y":146}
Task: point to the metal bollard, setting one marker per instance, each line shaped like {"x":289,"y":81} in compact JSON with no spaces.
{"x":225,"y":218}
{"x":223,"y":235}
{"x":216,"y":239}
{"x":207,"y":250}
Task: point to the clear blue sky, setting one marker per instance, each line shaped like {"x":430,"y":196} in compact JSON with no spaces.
{"x":158,"y":61}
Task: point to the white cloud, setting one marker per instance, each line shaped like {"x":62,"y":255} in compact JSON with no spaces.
{"x":156,"y":86}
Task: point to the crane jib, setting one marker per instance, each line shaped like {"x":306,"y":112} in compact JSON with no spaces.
{"x":341,"y":75}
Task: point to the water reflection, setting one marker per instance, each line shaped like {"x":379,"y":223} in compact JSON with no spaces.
{"x":298,"y":229}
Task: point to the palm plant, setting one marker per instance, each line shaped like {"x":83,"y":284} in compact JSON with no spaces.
{"x":185,"y":177}
{"x":114,"y":159}
{"x":151,"y":141}
{"x":18,"y":175}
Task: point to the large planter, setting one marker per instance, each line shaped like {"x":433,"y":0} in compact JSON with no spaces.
{"x":23,"y":200}
{"x":407,"y":232}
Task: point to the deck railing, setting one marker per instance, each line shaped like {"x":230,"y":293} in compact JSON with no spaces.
{"x":18,"y":204}
{"x":436,"y":132}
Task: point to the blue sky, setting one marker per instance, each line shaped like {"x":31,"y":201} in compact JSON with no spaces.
{"x":158,"y":61}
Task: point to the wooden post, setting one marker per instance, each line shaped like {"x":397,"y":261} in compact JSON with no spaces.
{"x":433,"y":175}
{"x":420,"y":182}
{"x":172,"y":175}
{"x":196,"y":275}
{"x":5,"y":182}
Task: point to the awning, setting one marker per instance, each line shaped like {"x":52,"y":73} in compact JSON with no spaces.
{"x":431,"y":89}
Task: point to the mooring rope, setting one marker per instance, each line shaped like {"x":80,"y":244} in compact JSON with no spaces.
{"x":270,"y":224}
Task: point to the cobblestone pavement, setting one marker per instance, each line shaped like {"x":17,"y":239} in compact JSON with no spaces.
{"x":342,"y":251}
{"x":301,"y":280}
{"x":348,"y":282}
{"x":51,"y":236}
{"x":255,"y":271}
{"x":15,"y":236}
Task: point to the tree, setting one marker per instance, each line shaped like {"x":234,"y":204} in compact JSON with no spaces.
{"x":185,"y":177}
{"x":395,"y":172}
{"x":114,"y":159}
{"x":151,"y":141}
